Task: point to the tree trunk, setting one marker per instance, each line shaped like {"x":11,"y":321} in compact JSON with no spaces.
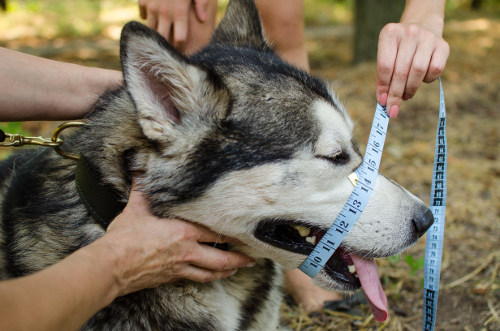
{"x":476,"y":4}
{"x":370,"y":17}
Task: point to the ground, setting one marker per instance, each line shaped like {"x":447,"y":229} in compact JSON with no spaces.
{"x":469,"y":297}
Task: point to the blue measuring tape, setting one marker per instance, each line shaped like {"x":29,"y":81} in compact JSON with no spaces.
{"x":435,"y":234}
{"x":367,"y":173}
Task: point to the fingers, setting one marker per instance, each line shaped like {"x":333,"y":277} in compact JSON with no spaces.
{"x":438,"y":61}
{"x":192,"y":260}
{"x":155,"y":251}
{"x":417,"y":71}
{"x":408,"y":55}
{"x":201,"y":275}
{"x":137,"y":203}
{"x":201,"y":9}
{"x":164,"y":26}
{"x":142,"y":8}
{"x":151,"y":15}
{"x":386,"y":58}
{"x":405,"y":54}
{"x":181,"y":22}
{"x":214,"y":259}
{"x":171,"y":17}
{"x":186,"y":24}
{"x":182,"y":242}
{"x":206,"y":264}
{"x":205,"y":235}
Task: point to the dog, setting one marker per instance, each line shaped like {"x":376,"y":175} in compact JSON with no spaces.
{"x":232,"y":138}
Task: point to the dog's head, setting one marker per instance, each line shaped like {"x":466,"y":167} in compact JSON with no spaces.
{"x":256,"y":149}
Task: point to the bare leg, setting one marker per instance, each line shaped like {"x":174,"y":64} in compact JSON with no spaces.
{"x":305,"y":293}
{"x":283,"y":22}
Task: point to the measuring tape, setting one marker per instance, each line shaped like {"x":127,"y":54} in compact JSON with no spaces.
{"x":367,"y":173}
{"x":434,"y":243}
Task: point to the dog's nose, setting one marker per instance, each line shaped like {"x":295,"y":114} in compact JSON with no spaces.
{"x":423,"y":222}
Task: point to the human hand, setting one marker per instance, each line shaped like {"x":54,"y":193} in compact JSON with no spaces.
{"x":171,"y":17}
{"x":408,"y":54}
{"x":153,"y":251}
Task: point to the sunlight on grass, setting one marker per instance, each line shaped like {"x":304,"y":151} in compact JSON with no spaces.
{"x":53,"y":18}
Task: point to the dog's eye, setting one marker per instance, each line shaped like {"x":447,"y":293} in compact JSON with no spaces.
{"x":338,"y":159}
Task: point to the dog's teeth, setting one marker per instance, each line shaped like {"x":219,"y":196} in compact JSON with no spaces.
{"x":303,"y":231}
{"x":311,"y":240}
{"x":352,"y":269}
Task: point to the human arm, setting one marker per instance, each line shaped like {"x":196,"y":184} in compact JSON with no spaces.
{"x":410,"y":52}
{"x":34,"y":88}
{"x":187,"y":24}
{"x":138,"y":251}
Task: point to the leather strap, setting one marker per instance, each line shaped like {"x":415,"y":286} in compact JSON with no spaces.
{"x":101,"y":200}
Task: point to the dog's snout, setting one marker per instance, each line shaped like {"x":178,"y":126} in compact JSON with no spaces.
{"x":423,"y":222}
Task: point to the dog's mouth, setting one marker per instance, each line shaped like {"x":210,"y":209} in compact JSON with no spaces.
{"x":298,"y":237}
{"x":348,"y":270}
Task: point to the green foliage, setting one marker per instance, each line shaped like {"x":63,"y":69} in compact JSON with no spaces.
{"x":325,"y":12}
{"x":55,"y":18}
{"x":414,"y":264}
{"x":394,"y":258}
{"x":13,"y":127}
{"x":33,"y":6}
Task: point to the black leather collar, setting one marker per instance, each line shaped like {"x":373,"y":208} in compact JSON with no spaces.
{"x":101,"y":200}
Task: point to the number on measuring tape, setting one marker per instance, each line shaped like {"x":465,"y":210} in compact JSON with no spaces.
{"x":367,"y":173}
{"x":434,"y":244}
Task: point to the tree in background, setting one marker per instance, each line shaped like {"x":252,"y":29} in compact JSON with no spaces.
{"x":370,"y":17}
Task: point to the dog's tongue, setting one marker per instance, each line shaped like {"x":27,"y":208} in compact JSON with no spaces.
{"x":368,"y":276}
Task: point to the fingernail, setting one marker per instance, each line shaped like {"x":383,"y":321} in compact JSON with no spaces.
{"x":250,"y":264}
{"x":393,"y":112}
{"x":233,"y":272}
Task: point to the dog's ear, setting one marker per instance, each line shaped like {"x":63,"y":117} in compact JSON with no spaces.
{"x":241,"y":26}
{"x":168,"y":91}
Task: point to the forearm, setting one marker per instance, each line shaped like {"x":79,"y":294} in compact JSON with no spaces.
{"x":33,"y":88}
{"x":63,"y":296}
{"x":429,"y":13}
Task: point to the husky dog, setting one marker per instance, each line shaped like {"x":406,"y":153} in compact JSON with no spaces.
{"x":231,"y":138}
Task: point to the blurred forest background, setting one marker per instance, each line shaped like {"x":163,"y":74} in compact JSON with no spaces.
{"x":87,"y":32}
